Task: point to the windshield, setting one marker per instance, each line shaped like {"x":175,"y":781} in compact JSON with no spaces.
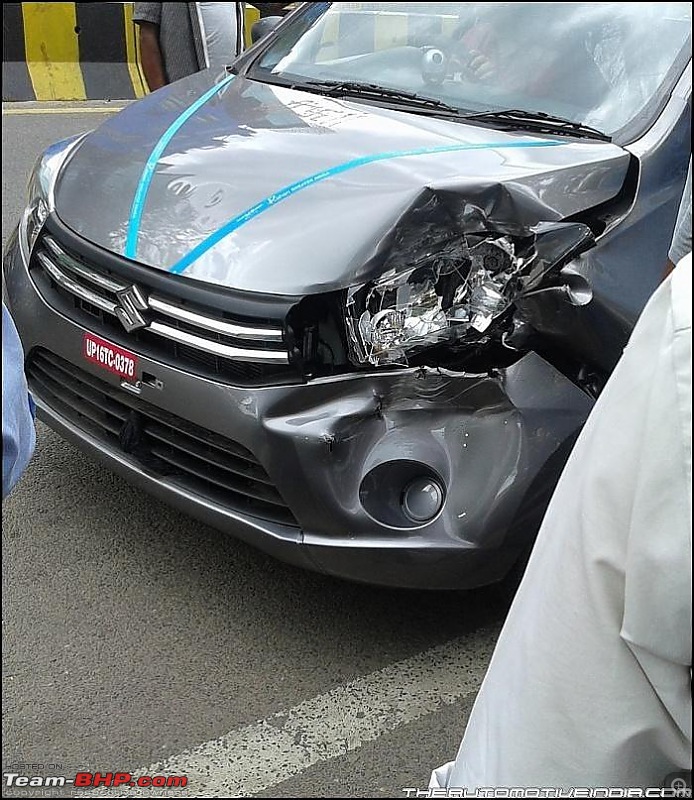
{"x":599,"y":64}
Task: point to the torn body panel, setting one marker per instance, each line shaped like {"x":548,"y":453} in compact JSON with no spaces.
{"x":455,"y":265}
{"x":487,"y":437}
{"x":339,"y":430}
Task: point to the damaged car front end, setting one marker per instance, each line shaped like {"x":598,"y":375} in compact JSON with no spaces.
{"x":347,"y":303}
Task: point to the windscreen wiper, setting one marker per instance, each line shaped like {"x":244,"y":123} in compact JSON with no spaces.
{"x":373,"y":90}
{"x":538,"y":121}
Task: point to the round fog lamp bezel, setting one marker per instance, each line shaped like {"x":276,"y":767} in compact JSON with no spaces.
{"x":382,"y":490}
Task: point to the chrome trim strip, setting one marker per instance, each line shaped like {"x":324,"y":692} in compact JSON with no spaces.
{"x":251,"y":334}
{"x":222,"y":350}
{"x":76,"y":288}
{"x":94,"y":277}
{"x":206,"y":324}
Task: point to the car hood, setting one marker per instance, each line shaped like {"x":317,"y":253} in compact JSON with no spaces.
{"x":274,"y":190}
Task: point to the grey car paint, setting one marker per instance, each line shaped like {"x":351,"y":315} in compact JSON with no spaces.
{"x":496,"y":435}
{"x":318,"y":441}
{"x":251,"y":140}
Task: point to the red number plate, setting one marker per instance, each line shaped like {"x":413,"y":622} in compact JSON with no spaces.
{"x":110,"y":357}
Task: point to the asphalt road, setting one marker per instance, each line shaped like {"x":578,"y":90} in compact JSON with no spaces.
{"x":133,"y":634}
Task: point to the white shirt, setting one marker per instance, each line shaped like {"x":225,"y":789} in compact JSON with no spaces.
{"x":682,"y":240}
{"x":590,"y":682}
{"x":222,"y":31}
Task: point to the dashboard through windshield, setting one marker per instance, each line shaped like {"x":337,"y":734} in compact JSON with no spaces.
{"x":604,"y":65}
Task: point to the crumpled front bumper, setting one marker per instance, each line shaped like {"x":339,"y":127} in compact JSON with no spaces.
{"x":488,"y":436}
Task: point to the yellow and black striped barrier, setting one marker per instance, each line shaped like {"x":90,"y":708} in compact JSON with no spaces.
{"x":70,"y":51}
{"x":89,"y":51}
{"x":74,"y":51}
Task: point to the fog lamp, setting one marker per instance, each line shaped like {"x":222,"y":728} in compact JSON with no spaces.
{"x":422,"y":499}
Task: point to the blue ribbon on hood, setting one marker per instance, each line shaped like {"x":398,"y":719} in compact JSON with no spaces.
{"x":282,"y":194}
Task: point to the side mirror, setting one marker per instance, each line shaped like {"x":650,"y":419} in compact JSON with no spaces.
{"x":264,"y":26}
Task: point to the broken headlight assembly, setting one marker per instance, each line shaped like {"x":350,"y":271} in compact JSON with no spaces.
{"x":463,"y":294}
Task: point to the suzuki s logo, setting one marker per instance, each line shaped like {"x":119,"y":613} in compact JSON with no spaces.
{"x":131,"y":302}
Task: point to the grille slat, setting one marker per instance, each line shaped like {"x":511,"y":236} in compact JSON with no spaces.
{"x":88,"y":390}
{"x":81,"y":407}
{"x":217,"y":348}
{"x":218,"y":325}
{"x":73,"y":286}
{"x":175,"y":450}
{"x":90,"y":275}
{"x":206,"y":341}
{"x":211,"y":455}
{"x":207,"y":472}
{"x":201,"y":435}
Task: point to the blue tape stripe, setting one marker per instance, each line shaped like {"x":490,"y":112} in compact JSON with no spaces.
{"x":255,"y":211}
{"x":140,"y":198}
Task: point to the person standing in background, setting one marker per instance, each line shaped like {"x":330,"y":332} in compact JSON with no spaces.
{"x":179,"y":39}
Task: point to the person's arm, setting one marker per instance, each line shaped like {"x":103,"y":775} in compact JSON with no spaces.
{"x":18,"y":433}
{"x":481,"y":56}
{"x":147,"y":16}
{"x":152,"y":62}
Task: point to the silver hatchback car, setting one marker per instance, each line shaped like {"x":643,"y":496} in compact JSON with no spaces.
{"x":352,"y":299}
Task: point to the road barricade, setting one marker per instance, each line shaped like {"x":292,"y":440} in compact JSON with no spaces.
{"x":74,"y":51}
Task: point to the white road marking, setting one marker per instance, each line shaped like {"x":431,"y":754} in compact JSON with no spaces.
{"x":257,"y":757}
{"x":21,"y":112}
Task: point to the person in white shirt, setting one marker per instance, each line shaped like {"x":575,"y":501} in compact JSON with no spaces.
{"x":682,"y":239}
{"x":222,"y":28}
{"x":590,"y":682}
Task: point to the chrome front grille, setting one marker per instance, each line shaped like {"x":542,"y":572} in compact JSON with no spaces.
{"x":106,"y":294}
{"x":209,"y":341}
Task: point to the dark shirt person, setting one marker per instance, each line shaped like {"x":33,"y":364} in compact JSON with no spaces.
{"x":179,"y":39}
{"x":273,"y":9}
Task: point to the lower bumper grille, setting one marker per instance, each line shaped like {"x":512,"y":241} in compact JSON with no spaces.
{"x":174,"y":450}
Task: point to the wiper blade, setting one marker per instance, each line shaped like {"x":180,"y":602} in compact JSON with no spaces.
{"x":541,"y":122}
{"x":357,"y":89}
